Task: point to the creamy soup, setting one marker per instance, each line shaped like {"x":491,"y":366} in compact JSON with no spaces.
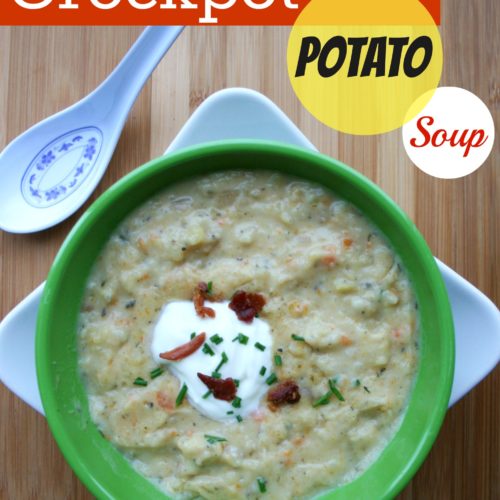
{"x":314,"y":383}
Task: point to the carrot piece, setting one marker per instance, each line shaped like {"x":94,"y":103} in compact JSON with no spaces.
{"x":184,"y":350}
{"x":164,"y":401}
{"x":345,"y":341}
{"x":328,"y":260}
{"x":347,"y":242}
{"x":288,"y":458}
{"x":142,"y":246}
{"x":259,"y":416}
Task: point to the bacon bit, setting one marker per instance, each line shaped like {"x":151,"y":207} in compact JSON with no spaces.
{"x":396,"y":333}
{"x":184,"y":350}
{"x":347,"y":242}
{"x":329,"y":260}
{"x":200,"y":294}
{"x":164,"y":401}
{"x":209,"y":295}
{"x":298,"y":441}
{"x":247,"y":305}
{"x":222,"y":388}
{"x":345,"y":341}
{"x":144,"y":277}
{"x":286,"y":392}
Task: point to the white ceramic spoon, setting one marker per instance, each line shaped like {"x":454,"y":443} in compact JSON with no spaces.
{"x":246,"y":114}
{"x":51,"y":169}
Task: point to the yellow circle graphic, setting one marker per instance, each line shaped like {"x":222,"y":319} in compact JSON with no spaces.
{"x":358,"y":66}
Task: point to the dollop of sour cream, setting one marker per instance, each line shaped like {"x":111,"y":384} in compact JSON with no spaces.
{"x":245,"y":361}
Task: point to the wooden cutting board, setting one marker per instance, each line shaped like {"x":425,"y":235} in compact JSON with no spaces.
{"x":47,"y":69}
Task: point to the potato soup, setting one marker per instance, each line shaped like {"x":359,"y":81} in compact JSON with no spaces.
{"x":248,"y":335}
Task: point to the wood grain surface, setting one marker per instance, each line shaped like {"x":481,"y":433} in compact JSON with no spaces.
{"x":47,"y":69}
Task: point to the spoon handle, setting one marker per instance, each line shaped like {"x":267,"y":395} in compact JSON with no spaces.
{"x":128,"y":78}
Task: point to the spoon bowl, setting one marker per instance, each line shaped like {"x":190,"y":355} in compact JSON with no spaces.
{"x":50,"y":170}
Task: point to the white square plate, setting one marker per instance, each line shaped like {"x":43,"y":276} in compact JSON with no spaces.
{"x":245,"y":114}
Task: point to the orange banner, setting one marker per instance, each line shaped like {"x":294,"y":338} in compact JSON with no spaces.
{"x":160,"y":12}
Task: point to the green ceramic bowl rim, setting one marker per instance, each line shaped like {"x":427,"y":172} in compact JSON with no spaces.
{"x":48,"y":310}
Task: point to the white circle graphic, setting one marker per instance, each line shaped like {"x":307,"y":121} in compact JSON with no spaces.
{"x":452,"y":136}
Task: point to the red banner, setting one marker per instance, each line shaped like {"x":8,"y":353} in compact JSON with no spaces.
{"x":160,"y":12}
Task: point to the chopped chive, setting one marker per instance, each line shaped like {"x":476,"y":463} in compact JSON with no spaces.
{"x":323,"y":400}
{"x":298,"y":338}
{"x":236,"y":402}
{"x":208,"y":350}
{"x":271,"y":379}
{"x":239,"y":418}
{"x":193,"y":335}
{"x":277,"y":360}
{"x":262,"y":371}
{"x":262,"y":484}
{"x":224,"y":359}
{"x":130,"y":304}
{"x":216,"y":339}
{"x":181,"y":395}
{"x":236,"y":382}
{"x":205,"y":396}
{"x":334,"y":390}
{"x":214,"y":439}
{"x":259,"y":346}
{"x":230,"y":412}
{"x":209,"y":287}
{"x":242,"y":339}
{"x":216,"y":375}
{"x":366,"y":389}
{"x":156,"y":372}
{"x":357,"y":383}
{"x":140,"y":381}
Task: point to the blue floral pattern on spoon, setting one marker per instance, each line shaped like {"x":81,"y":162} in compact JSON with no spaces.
{"x":41,"y":186}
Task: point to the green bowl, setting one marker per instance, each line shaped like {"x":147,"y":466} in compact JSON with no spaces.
{"x":97,"y":463}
